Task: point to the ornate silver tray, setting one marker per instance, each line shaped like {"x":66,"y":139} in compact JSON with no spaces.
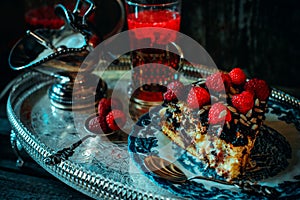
{"x":101,"y":167}
{"x":42,"y":129}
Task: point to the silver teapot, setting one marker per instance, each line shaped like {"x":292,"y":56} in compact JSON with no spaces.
{"x":60,"y":53}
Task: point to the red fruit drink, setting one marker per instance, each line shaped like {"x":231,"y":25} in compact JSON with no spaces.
{"x":158,"y":65}
{"x":155,"y":18}
{"x":43,"y":17}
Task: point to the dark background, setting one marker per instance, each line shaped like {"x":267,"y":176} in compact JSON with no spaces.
{"x":260,"y":36}
{"x":12,"y":27}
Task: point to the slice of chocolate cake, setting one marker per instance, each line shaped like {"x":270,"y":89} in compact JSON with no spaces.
{"x":219,"y":128}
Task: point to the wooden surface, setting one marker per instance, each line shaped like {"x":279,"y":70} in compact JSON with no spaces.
{"x":31,"y":181}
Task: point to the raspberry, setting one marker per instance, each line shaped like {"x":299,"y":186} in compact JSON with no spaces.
{"x":259,"y":88}
{"x":103,"y":124}
{"x":219,"y":113}
{"x":174,"y":91}
{"x":243,"y":101}
{"x":115,"y":119}
{"x":97,"y":124}
{"x":238,"y":77}
{"x":104,"y":107}
{"x":218,"y":81}
{"x":175,"y":86}
{"x":197,"y":97}
{"x":94,"y":125}
{"x":169,"y":95}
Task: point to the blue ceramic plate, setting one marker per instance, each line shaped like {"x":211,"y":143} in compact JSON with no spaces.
{"x":275,"y":158}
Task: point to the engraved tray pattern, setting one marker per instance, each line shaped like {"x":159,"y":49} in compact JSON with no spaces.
{"x":42,"y":129}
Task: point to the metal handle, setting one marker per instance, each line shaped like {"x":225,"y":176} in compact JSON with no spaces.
{"x":78,"y":6}
{"x":181,"y":56}
{"x":40,"y":39}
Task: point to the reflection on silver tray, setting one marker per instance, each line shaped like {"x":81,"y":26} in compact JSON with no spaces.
{"x":101,"y":167}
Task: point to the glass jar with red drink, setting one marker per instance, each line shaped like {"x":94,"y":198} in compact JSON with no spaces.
{"x":153,"y":64}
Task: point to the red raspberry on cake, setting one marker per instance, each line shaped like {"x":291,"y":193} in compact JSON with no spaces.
{"x":237,"y":75}
{"x":218,"y":113}
{"x":218,"y":82}
{"x":115,"y":119}
{"x":243,"y":101}
{"x":259,"y":88}
{"x":174,"y":91}
{"x":221,"y":135}
{"x":198,"y":97}
{"x":176,"y":86}
{"x":169,"y":96}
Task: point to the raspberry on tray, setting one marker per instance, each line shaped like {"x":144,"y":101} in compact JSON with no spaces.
{"x":109,"y":117}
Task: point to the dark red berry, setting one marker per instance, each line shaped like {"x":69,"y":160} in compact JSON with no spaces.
{"x":259,"y":88}
{"x":243,"y":101}
{"x":169,"y":95}
{"x":94,"y":125}
{"x":98,"y":125}
{"x":104,"y":107}
{"x":219,"y":113}
{"x":115,"y":120}
{"x":175,"y":90}
{"x":218,"y":82}
{"x":176,"y":86}
{"x":103,"y":124}
{"x":198,"y":97}
{"x":237,"y":75}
